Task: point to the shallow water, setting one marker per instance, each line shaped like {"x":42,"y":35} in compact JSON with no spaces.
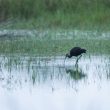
{"x":47,"y":83}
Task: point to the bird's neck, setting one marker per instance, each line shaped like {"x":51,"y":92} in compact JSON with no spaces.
{"x":69,"y":56}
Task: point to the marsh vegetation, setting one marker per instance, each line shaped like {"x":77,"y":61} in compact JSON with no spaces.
{"x":50,"y":42}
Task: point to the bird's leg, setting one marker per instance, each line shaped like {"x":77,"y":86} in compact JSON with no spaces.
{"x":76,"y":65}
{"x":78,"y":59}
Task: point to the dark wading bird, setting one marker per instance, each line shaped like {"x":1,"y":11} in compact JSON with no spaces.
{"x":77,"y":52}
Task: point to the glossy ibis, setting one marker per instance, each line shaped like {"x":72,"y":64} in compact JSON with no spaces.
{"x":77,"y":52}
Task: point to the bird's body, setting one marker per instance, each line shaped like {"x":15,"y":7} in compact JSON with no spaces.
{"x":76,"y":51}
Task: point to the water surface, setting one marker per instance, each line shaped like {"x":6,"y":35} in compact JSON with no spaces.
{"x":47,"y":83}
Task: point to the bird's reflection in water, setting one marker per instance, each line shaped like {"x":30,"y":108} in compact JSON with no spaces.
{"x":76,"y":73}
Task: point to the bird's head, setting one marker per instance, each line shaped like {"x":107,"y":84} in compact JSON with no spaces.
{"x":84,"y":50}
{"x":67,"y":55}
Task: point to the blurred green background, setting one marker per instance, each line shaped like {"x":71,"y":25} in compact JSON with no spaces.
{"x":56,"y":13}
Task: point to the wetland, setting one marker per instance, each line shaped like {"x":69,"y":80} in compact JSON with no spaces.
{"x":33,"y":75}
